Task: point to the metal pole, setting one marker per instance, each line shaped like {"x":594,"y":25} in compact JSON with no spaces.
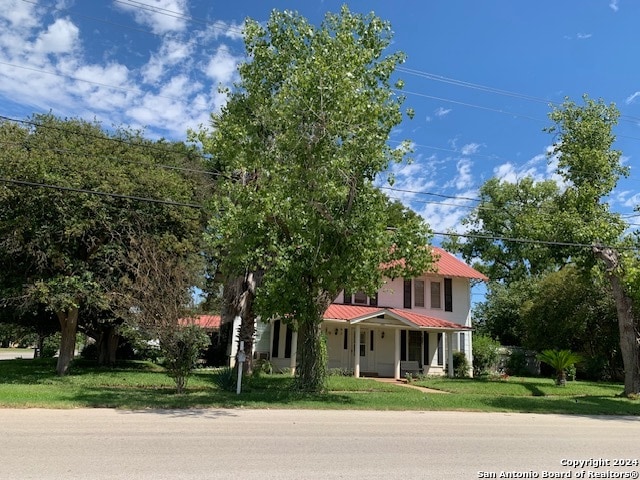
{"x":241,"y":359}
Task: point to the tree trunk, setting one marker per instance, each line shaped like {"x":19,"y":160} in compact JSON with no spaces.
{"x":239,"y":295}
{"x":311,"y":373}
{"x":107,"y":346}
{"x":68,"y":328}
{"x":39,"y":346}
{"x":627,"y":323}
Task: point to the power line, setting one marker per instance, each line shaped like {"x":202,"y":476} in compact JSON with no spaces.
{"x":99,"y":84}
{"x":219,"y":174}
{"x":465,"y":104}
{"x":454,"y":197}
{"x":105,"y":138}
{"x":120,"y":159}
{"x":215,"y":25}
{"x":99,"y":193}
{"x":196,"y":206}
{"x":475,"y":86}
{"x":488,"y":89}
{"x":171,"y":13}
{"x":552,"y":243}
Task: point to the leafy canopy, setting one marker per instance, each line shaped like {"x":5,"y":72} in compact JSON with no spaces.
{"x":299,"y":145}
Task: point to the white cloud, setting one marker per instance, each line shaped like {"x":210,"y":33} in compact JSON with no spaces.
{"x":172,"y":52}
{"x":631,"y":98}
{"x":631,"y":202}
{"x":613,"y":5}
{"x":464,"y":179}
{"x":163,"y":16}
{"x":441,"y":111}
{"x":219,"y":29}
{"x":470,"y":148}
{"x":541,"y":167}
{"x":447,"y":215}
{"x":583,"y":36}
{"x":60,"y":37}
{"x":222,"y":66}
{"x":19,"y":14}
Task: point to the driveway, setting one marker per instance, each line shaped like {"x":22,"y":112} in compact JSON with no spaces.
{"x":304,"y":444}
{"x":12,"y":353}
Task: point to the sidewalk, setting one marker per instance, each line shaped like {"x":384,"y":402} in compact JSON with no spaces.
{"x":403,"y":383}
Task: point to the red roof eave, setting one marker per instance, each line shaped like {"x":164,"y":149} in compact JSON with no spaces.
{"x":354,"y":313}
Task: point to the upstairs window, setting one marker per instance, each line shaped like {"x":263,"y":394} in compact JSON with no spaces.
{"x":373,"y":301}
{"x":418,"y":292}
{"x":346,"y":298}
{"x":435,"y":295}
{"x":361,"y":298}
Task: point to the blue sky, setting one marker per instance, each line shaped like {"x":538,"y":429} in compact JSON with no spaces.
{"x":480,"y":76}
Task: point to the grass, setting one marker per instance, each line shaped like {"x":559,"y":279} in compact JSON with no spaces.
{"x":26,"y":383}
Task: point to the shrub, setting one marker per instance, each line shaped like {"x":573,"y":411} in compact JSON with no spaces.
{"x":181,"y":349}
{"x":517,"y":363}
{"x":485,"y":354}
{"x":460,"y":365}
{"x":225,"y":379}
{"x":264,"y":366}
{"x":562,"y":361}
{"x":50,"y":346}
{"x":90,"y":351}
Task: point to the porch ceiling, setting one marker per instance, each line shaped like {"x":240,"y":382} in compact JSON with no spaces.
{"x":356,"y":314}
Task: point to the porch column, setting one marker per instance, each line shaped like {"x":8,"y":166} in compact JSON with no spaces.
{"x":294,"y":351}
{"x":396,"y":356}
{"x":356,"y":359}
{"x":449,"y":354}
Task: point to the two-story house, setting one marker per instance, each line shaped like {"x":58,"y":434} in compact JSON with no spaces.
{"x":409,"y":325}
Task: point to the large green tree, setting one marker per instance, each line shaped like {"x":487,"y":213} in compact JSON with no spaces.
{"x":298,"y":147}
{"x":572,"y":224}
{"x":62,"y":248}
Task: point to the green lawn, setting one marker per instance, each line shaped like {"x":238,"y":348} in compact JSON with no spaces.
{"x":141,"y":385}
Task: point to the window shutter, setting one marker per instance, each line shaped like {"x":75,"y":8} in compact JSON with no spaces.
{"x":407,"y":294}
{"x":373,"y":301}
{"x":288,"y":341}
{"x":276,"y":339}
{"x":403,"y":345}
{"x":448,"y":295}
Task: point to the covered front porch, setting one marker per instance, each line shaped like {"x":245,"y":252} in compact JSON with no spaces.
{"x":376,"y":342}
{"x":379,"y":342}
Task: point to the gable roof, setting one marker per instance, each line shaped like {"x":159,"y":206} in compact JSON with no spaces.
{"x":355,"y":313}
{"x":450,"y":266}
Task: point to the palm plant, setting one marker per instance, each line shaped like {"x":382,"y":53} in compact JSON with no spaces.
{"x":560,"y":361}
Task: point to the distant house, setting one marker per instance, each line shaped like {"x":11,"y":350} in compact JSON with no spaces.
{"x":211,"y":323}
{"x":410,"y":325}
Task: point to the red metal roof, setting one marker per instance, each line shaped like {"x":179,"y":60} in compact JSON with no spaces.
{"x":211,"y":322}
{"x":450,"y":266}
{"x":349,"y":313}
{"x":426,"y":321}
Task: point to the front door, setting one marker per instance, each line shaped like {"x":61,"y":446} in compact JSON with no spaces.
{"x":367,"y":350}
{"x":415,"y":347}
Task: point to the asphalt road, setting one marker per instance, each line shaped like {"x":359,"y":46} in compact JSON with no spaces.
{"x":302,"y":444}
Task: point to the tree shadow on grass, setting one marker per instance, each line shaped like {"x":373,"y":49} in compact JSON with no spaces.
{"x":587,"y":405}
{"x":27,"y":371}
{"x":139,"y":398}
